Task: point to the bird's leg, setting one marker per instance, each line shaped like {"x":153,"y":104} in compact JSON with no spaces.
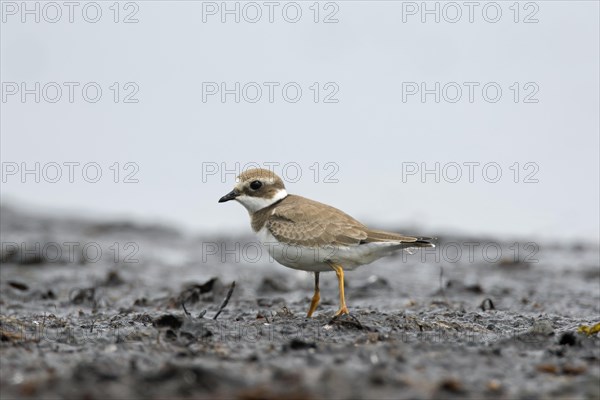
{"x":340,"y":276}
{"x":316,"y":297}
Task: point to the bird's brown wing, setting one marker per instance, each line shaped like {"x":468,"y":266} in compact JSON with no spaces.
{"x":305,"y":222}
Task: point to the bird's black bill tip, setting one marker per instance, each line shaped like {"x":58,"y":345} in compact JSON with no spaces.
{"x":229,"y":196}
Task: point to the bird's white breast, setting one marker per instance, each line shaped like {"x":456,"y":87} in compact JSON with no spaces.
{"x":292,"y":256}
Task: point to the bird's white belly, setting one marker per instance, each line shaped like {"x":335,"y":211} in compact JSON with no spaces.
{"x":315,"y":259}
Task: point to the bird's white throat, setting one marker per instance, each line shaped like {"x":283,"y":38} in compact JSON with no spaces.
{"x":254,"y":204}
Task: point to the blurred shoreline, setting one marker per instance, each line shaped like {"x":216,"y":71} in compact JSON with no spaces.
{"x":12,"y":212}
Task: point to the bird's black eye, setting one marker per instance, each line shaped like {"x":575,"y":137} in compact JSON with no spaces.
{"x":255,"y":185}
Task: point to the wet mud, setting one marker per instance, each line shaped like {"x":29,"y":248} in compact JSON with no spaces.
{"x":120,"y":310}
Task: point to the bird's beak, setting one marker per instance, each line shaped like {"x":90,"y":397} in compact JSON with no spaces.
{"x":229,"y":196}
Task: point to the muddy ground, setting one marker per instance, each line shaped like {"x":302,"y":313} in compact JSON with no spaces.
{"x":124,"y":311}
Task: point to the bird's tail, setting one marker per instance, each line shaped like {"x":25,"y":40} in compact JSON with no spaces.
{"x":402,"y":240}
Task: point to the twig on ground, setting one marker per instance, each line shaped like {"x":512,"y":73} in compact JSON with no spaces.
{"x":224,"y":304}
{"x":184,"y":309}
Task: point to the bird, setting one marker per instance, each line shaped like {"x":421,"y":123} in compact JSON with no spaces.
{"x":307,"y":235}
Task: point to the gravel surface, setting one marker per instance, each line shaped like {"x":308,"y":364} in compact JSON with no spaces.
{"x":119,"y":310}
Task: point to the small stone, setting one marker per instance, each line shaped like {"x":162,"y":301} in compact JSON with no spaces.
{"x":494,"y":385}
{"x":168,"y":321}
{"x":568,"y":339}
{"x":451,"y":385}
{"x":297,"y":344}
{"x":547,"y":368}
{"x":569,"y":369}
{"x":18,"y":285}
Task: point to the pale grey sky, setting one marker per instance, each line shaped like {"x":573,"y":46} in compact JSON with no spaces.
{"x":370,"y":129}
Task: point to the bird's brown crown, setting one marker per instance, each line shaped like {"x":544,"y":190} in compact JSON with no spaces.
{"x":258,"y":182}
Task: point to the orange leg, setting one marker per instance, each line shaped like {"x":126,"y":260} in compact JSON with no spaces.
{"x":316,"y":297}
{"x":340,"y":276}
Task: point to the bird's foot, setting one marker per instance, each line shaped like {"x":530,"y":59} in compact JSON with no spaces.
{"x":342,"y":310}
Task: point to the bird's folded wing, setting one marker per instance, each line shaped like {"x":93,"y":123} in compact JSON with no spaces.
{"x":315,"y":225}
